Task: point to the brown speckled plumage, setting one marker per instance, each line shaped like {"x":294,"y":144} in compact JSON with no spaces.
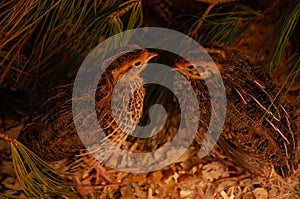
{"x":50,"y":131}
{"x":260,"y":127}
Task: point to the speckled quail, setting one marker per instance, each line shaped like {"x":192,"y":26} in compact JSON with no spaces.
{"x":50,"y":131}
{"x":260,"y":130}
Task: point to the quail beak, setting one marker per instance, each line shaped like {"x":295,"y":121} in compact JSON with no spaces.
{"x":175,"y":68}
{"x":152,"y":54}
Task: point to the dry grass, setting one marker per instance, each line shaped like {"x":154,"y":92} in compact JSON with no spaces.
{"x":188,"y":177}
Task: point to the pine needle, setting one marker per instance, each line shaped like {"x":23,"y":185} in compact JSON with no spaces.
{"x":55,"y":36}
{"x":224,"y":27}
{"x":36,"y":177}
{"x":212,"y":4}
{"x":280,"y":34}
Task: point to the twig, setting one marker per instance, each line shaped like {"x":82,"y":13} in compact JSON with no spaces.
{"x":9,"y":139}
{"x":123,"y":11}
{"x":212,"y":3}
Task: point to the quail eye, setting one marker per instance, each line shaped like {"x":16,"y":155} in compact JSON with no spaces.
{"x":138,"y":63}
{"x":190,"y":67}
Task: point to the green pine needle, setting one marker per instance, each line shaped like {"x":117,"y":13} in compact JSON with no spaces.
{"x":37,"y":178}
{"x":224,"y":27}
{"x":280,"y":34}
{"x":42,"y":39}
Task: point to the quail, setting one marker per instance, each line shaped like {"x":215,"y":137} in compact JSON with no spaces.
{"x":50,"y":131}
{"x":259,"y":131}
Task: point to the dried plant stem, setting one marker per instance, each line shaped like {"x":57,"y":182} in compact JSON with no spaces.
{"x":212,"y":3}
{"x":9,"y":139}
{"x":123,"y":11}
{"x":208,"y":9}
